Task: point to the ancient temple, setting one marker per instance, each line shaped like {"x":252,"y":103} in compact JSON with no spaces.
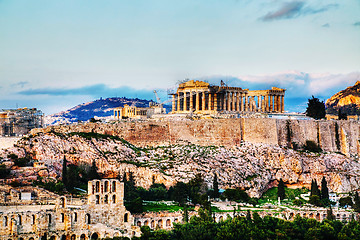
{"x":201,"y":97}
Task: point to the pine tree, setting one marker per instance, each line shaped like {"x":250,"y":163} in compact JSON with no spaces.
{"x":216,"y":186}
{"x":324,"y":189}
{"x":281,"y":189}
{"x":64,"y":172}
{"x":315,"y":109}
{"x":329,"y":214}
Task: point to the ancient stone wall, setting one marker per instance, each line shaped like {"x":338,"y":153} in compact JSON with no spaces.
{"x":230,"y":132}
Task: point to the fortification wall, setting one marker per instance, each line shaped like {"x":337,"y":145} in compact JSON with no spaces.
{"x":332,"y":136}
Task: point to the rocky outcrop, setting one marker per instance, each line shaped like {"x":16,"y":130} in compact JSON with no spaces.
{"x":251,"y":166}
{"x":347,"y":100}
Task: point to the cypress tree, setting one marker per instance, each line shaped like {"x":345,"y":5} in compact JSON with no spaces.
{"x":281,"y":189}
{"x":329,"y":214}
{"x":324,"y":189}
{"x":357,"y":203}
{"x":64,"y":172}
{"x":216,"y":186}
{"x":93,"y":173}
{"x":314,"y":189}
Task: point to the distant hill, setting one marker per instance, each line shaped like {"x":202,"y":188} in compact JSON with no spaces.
{"x":98,"y":108}
{"x":347,"y":100}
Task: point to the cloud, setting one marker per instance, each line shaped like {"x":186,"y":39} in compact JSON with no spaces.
{"x":295,"y":9}
{"x":97,"y":90}
{"x":326,"y":25}
{"x":20,"y":84}
{"x":356,"y":24}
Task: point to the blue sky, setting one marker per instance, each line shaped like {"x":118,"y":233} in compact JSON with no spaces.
{"x":57,"y":54}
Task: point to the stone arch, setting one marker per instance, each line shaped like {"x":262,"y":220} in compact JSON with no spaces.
{"x":338,"y":216}
{"x":94,"y":236}
{"x":146,"y":223}
{"x":317,"y":216}
{"x":323,"y":216}
{"x":53,"y":237}
{"x":106,"y":186}
{"x":33,"y":218}
{"x":138,"y":224}
{"x":304,"y":215}
{"x":62,"y":217}
{"x":75,"y":216}
{"x":114,"y":198}
{"x":176,"y":220}
{"x":113,"y":187}
{"x":344,"y":217}
{"x":126,"y":217}
{"x":311,"y":215}
{"x":19,"y":218}
{"x":152,"y":224}
{"x":73,"y":237}
{"x":5,"y":221}
{"x":83,"y":237}
{"x":291,"y":215}
{"x":31,"y":238}
{"x":97,"y":186}
{"x":221,"y":218}
{"x":49,"y":218}
{"x":62,"y":202}
{"x":168,"y":223}
{"x":160,"y":223}
{"x":97,"y":199}
{"x":87,"y":218}
{"x":21,"y":238}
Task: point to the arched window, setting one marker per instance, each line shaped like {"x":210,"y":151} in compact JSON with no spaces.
{"x":33,"y":219}
{"x":49,"y":218}
{"x":19,"y":220}
{"x":160,"y":223}
{"x":106,"y":186}
{"x":62,"y":217}
{"x":114,"y":198}
{"x":62,"y":202}
{"x":97,"y":187}
{"x":5,"y":221}
{"x":82,"y":237}
{"x":75,"y":217}
{"x":97,"y":199}
{"x":126,"y":217}
{"x":114,"y":186}
{"x":106,"y":199}
{"x":73,"y":237}
{"x":87,"y":218}
{"x":168,"y":223}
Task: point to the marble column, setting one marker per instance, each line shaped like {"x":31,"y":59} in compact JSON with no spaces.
{"x":203,"y":101}
{"x":246,"y":103}
{"x":178,"y":102}
{"x":185,"y":102}
{"x":215,"y":102}
{"x":241,"y":103}
{"x":229,"y":102}
{"x":191,"y":102}
{"x":259,"y":103}
{"x":233,"y":102}
{"x":271,"y":103}
{"x":210,"y":102}
{"x":173,"y":103}
{"x":197,"y":103}
{"x":282,"y":103}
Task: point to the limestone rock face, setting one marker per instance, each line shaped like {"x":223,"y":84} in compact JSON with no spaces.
{"x":254,"y":167}
{"x":347,"y":99}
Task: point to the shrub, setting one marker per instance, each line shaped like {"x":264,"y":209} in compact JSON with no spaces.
{"x":311,"y":146}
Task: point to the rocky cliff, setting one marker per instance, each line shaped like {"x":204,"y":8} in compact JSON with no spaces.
{"x":247,"y":153}
{"x":347,"y":100}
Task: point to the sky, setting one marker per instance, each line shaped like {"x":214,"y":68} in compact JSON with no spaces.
{"x":60,"y":53}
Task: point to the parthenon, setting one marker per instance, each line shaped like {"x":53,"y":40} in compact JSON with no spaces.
{"x":201,"y":97}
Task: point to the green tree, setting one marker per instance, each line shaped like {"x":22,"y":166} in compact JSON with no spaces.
{"x":216,"y":187}
{"x":356,"y":203}
{"x":4,"y":171}
{"x":346,"y":201}
{"x":93,"y":173}
{"x":330,"y":215}
{"x":314,"y":189}
{"x":315,"y":108}
{"x":64,"y":173}
{"x":324,"y":192}
{"x":342,"y":115}
{"x":281,"y":189}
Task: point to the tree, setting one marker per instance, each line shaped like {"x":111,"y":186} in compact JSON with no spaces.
{"x":281,"y":190}
{"x":216,"y":187}
{"x":93,"y":173}
{"x":64,"y":173}
{"x":356,"y":203}
{"x":324,"y":190}
{"x":330,"y":215}
{"x":341,"y":115}
{"x":315,"y":108}
{"x":4,"y":171}
{"x":314,"y":189}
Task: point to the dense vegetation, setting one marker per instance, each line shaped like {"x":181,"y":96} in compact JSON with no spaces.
{"x":315,"y":108}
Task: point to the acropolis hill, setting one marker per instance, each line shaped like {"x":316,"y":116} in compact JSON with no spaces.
{"x":249,"y":153}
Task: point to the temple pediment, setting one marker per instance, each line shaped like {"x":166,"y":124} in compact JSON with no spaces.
{"x":194,"y":84}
